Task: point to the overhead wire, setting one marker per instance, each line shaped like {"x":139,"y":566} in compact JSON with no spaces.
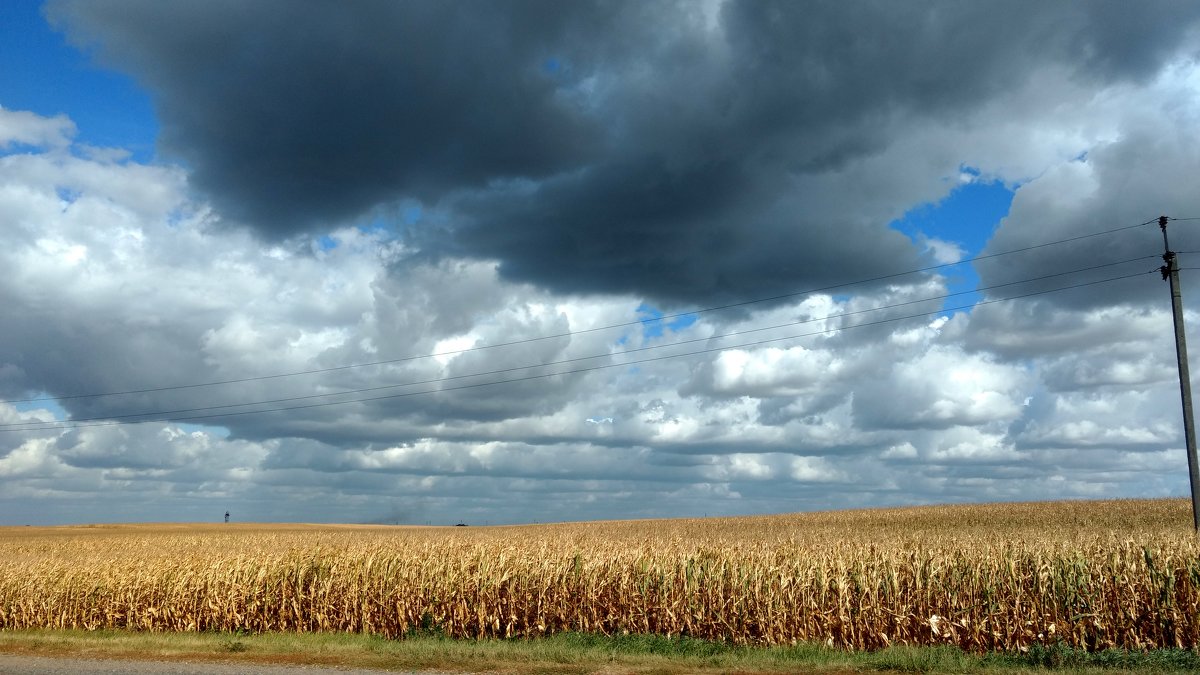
{"x":656,"y":319}
{"x":160,"y":413}
{"x":113,"y":421}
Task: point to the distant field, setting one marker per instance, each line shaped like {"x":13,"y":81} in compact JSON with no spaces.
{"x":1094,"y":575}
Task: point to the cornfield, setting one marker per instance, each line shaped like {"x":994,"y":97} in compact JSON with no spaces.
{"x":1092,"y":575}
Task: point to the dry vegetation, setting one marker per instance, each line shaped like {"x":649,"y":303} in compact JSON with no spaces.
{"x":1085,"y":574}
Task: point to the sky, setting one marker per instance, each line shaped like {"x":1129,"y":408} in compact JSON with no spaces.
{"x":529,"y":261}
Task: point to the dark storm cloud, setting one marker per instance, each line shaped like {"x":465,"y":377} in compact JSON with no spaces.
{"x":295,"y":113}
{"x":596,"y":147}
{"x":46,"y":344}
{"x":637,"y":226}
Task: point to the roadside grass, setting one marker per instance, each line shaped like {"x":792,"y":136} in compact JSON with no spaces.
{"x":571,"y":653}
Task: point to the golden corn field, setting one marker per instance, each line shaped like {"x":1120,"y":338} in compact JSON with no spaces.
{"x":990,"y":577}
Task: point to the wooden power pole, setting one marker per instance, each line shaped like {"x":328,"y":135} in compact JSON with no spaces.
{"x":1170,"y":271}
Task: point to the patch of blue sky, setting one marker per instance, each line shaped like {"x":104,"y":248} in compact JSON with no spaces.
{"x":218,"y":432}
{"x":378,"y":223}
{"x":411,"y":214}
{"x":44,"y":402}
{"x":326,"y":243}
{"x":683,"y":321}
{"x":654,"y":325}
{"x":394,"y":219}
{"x":42,"y":73}
{"x":67,"y":195}
{"x":965,"y":218}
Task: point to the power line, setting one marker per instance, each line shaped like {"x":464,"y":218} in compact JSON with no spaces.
{"x":597,"y":356}
{"x":576,"y":359}
{"x":68,"y":425}
{"x":662,"y":318}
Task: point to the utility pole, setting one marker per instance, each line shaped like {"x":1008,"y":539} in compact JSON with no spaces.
{"x":1170,"y":271}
